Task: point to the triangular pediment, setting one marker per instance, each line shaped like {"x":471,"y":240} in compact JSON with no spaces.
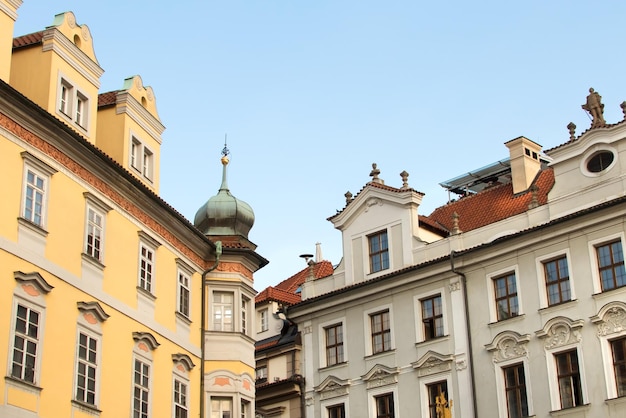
{"x":332,"y":387}
{"x":380,"y":375}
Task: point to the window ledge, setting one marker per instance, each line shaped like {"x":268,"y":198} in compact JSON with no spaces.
{"x":617,"y":402}
{"x":558,"y":306}
{"x":609,"y":292}
{"x":86,"y":407}
{"x":508,"y":320}
{"x":382,"y":353}
{"x":575,"y":410}
{"x":184,"y":318}
{"x":144,"y":292}
{"x":22,"y":384}
{"x":32,"y":226}
{"x":93,"y":261}
{"x":334,"y":366}
{"x":432,"y":341}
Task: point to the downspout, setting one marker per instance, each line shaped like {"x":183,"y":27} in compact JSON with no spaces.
{"x":468,"y":330}
{"x":218,"y":253}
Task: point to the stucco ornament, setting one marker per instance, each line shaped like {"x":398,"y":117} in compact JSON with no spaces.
{"x":508,"y":345}
{"x":560,"y":331}
{"x":611,"y":319}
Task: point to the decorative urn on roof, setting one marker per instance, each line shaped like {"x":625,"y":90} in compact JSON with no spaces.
{"x":224,"y":214}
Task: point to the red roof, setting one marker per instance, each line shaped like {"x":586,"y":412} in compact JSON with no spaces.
{"x":27,"y":40}
{"x":287,"y":290}
{"x":492,"y":205}
{"x":108,"y":98}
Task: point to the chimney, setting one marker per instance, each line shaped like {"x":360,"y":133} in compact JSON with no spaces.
{"x":525,"y":164}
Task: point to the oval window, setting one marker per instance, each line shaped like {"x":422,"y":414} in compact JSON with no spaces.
{"x":600,"y":161}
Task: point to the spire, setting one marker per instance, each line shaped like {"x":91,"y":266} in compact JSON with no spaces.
{"x":225,"y":161}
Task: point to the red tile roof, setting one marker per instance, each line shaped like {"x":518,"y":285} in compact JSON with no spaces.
{"x":492,"y":205}
{"x":27,"y":40}
{"x":285,"y":291}
{"x":107,"y":99}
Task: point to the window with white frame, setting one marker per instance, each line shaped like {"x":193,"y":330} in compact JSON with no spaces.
{"x":87,"y":368}
{"x":141,"y":389}
{"x":261,"y":373}
{"x":380,"y":331}
{"x":73,"y":105}
{"x":378,"y":251}
{"x":181,"y":407}
{"x":183,"y":293}
{"x":436,"y":391}
{"x":611,"y":330}
{"x":610,"y":259}
{"x":26,"y":343}
{"x":515,"y":390}
{"x":94,"y":233}
{"x":146,"y":267}
{"x":222,"y":311}
{"x":245,"y":409}
{"x":336,"y":411}
{"x":263,"y":320}
{"x":384,"y":405}
{"x":505,"y":291}
{"x":618,"y":354}
{"x":568,"y":378}
{"x":135,"y":153}
{"x":35,"y":190}
{"x":432,"y":317}
{"x":148,"y":163}
{"x":81,"y":110}
{"x":245,"y":305}
{"x":334,"y":344}
{"x":65,"y":94}
{"x":557,"y":280}
{"x":221,"y":407}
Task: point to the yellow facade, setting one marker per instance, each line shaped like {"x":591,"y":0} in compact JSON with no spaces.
{"x":102,"y":283}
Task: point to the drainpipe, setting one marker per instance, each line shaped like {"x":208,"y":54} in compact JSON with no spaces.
{"x":218,"y":253}
{"x":469,"y":332}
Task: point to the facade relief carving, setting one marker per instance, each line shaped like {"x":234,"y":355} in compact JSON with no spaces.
{"x":560,"y":331}
{"x":432,"y":363}
{"x":611,"y":319}
{"x":380,"y":376}
{"x":508,"y":345}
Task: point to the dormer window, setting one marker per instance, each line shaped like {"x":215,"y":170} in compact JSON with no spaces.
{"x":378,"y":251}
{"x":73,"y":104}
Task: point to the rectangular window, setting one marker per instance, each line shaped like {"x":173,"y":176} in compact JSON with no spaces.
{"x":432,"y":317}
{"x":180,"y":399}
{"x":334,"y":344}
{"x":34,"y":197}
{"x":245,"y":409}
{"x":135,"y":149}
{"x":183,"y":293}
{"x":436,"y":391}
{"x":86,"y":369}
{"x":384,"y":406}
{"x":65,"y":97}
{"x":148,"y":161}
{"x":141,"y":389}
{"x":261,"y":373}
{"x":506,"y":296}
{"x":336,"y":411}
{"x":570,"y":389}
{"x":611,"y":265}
{"x":379,"y":251}
{"x":515,"y":390}
{"x":222,"y":311}
{"x":381,"y":332}
{"x":81,"y":110}
{"x":618,"y":349}
{"x":557,"y":281}
{"x":95,"y":224}
{"x":146,"y":267}
{"x":263,"y":320}
{"x":244,"y":314}
{"x":25,"y":344}
{"x":221,"y":407}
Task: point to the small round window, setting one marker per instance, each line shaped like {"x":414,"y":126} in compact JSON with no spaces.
{"x":600,"y":161}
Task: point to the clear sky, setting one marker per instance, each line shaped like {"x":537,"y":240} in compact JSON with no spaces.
{"x":311,"y":93}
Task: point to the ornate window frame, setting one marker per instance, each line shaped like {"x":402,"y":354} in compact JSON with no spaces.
{"x":610,"y":324}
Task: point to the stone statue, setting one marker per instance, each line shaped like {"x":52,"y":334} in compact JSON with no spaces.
{"x":443,"y":407}
{"x":595,"y":107}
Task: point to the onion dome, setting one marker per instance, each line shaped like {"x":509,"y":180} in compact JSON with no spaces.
{"x":224,"y":214}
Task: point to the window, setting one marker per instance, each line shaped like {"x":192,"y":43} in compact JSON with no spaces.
{"x":618,"y":350}
{"x":34,"y":196}
{"x":381,"y":332}
{"x":222,"y":311}
{"x":435,"y":390}
{"x":81,"y":110}
{"x":506,"y":296}
{"x":25,"y":344}
{"x":135,"y":149}
{"x":93,"y":240}
{"x":570,"y":389}
{"x":379,"y":251}
{"x":384,"y":406}
{"x":600,"y":161}
{"x":432,"y":317}
{"x":263,"y":320}
{"x":141,"y":389}
{"x":611,"y":265}
{"x":337,"y":411}
{"x":515,"y":390}
{"x":65,"y":97}
{"x":73,"y":104}
{"x":221,"y":407}
{"x":557,"y":281}
{"x":86,"y":369}
{"x":183,"y":293}
{"x":148,"y":162}
{"x":180,"y":399}
{"x":261,"y":374}
{"x":146,"y":267}
{"x":245,"y":409}
{"x":334,"y":344}
{"x":244,"y":314}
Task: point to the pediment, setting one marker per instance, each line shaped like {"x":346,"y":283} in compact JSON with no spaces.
{"x":33,"y":280}
{"x":560,"y":331}
{"x":380,"y":375}
{"x":508,"y":345}
{"x":611,"y":318}
{"x":433,"y":362}
{"x":332,"y":387}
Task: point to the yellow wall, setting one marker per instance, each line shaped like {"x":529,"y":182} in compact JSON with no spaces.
{"x":7,"y":21}
{"x":32,"y":76}
{"x":11,"y":165}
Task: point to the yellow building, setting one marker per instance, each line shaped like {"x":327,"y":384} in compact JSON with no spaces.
{"x":111,"y":303}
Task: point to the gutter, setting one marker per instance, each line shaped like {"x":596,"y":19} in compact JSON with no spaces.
{"x":468,"y":330}
{"x":218,"y":253}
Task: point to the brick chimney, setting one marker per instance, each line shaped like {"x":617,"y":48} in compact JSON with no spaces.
{"x":525,"y":164}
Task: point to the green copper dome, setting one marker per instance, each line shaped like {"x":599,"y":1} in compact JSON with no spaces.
{"x":224,"y":214}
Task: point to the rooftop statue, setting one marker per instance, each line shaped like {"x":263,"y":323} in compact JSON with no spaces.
{"x":595,"y":107}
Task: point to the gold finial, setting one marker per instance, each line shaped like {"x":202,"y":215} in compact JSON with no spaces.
{"x":225,"y":152}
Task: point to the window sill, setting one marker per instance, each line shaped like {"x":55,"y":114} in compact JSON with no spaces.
{"x":32,"y":226}
{"x":144,"y":292}
{"x":432,"y":341}
{"x":334,"y":366}
{"x":558,"y":306}
{"x":22,"y":384}
{"x":508,"y":320}
{"x":382,"y":353}
{"x":86,"y":407}
{"x":93,"y":261}
{"x":184,"y":318}
{"x":609,"y":292}
{"x":580,"y":410}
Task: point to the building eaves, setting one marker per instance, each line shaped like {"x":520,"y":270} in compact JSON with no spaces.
{"x":107,"y":99}
{"x":28,"y":40}
{"x":608,"y":125}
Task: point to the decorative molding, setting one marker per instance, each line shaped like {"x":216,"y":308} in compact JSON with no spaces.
{"x":611,"y":318}
{"x":148,"y":239}
{"x":454,"y":286}
{"x":508,"y":345}
{"x":93,"y":308}
{"x":333,"y":387}
{"x":183,"y":359}
{"x":33,"y":279}
{"x":234,"y":268}
{"x":372,"y":201}
{"x":95,"y":201}
{"x":560,"y":331}
{"x":433,"y":362}
{"x":380,"y":375}
{"x":37,"y":163}
{"x":146,"y":338}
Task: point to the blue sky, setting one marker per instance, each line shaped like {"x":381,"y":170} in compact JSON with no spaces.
{"x":311,"y":93}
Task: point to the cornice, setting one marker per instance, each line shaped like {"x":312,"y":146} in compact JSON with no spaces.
{"x":11,"y":12}
{"x":127,"y":104}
